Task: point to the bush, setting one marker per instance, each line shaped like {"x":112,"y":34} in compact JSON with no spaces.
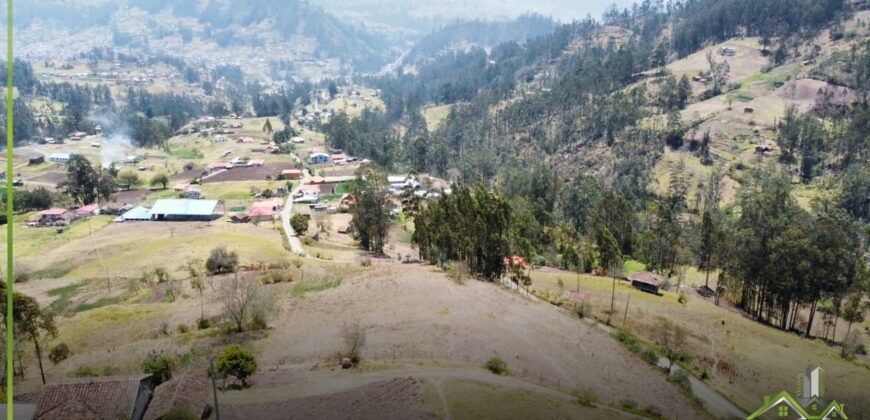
{"x":276,"y":277}
{"x":59,"y":353}
{"x":84,"y":371}
{"x":160,"y":366}
{"x":650,"y":357}
{"x":586,"y":397}
{"x":180,"y":412}
{"x":653,"y":411}
{"x":582,"y":309}
{"x":203,"y":323}
{"x":365,"y":262}
{"x":182,"y":328}
{"x":628,"y":404}
{"x":354,"y":337}
{"x":681,"y":379}
{"x":683,"y":298}
{"x":221,"y":261}
{"x":299,"y":223}
{"x":497,"y":366}
{"x":238,"y":362}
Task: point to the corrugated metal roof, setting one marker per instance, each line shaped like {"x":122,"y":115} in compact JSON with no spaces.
{"x":184,"y":207}
{"x":138,"y":213}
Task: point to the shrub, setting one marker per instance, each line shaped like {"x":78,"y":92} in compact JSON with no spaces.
{"x":221,"y":261}
{"x":650,"y":357}
{"x":86,"y":371}
{"x":238,"y":362}
{"x":497,"y":366}
{"x":354,"y":337}
{"x":457,"y":272}
{"x":59,"y":353}
{"x":683,"y":298}
{"x":628,"y":404}
{"x":299,"y":223}
{"x":203,"y":323}
{"x":653,"y":411}
{"x":276,"y":277}
{"x":180,"y":412}
{"x":681,"y":379}
{"x":582,"y":309}
{"x":182,"y":328}
{"x":586,"y":397}
{"x":365,"y":262}
{"x":160,"y":366}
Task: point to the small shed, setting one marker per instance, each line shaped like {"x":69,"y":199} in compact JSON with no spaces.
{"x":646,"y":282}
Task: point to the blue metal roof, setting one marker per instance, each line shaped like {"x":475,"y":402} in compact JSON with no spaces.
{"x":138,"y":213}
{"x":184,"y":207}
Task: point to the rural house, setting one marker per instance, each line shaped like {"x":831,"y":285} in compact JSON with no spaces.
{"x":264,"y":210}
{"x":192,"y":192}
{"x":53,"y":216}
{"x":292,"y":173}
{"x":109,"y":397}
{"x":318,"y":158}
{"x":184,"y":210}
{"x":61,"y":158}
{"x":646,"y":281}
{"x":187,"y":390}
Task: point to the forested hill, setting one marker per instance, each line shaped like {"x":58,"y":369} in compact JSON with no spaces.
{"x":643,"y":106}
{"x":477,"y":33}
{"x":222,"y":21}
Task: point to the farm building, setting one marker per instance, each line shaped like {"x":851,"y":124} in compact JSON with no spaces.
{"x":187,"y":390}
{"x":36,"y":159}
{"x":318,"y":158}
{"x":192,"y":192}
{"x":61,"y":158}
{"x":646,"y":282}
{"x":292,"y":173}
{"x":264,"y":210}
{"x":109,"y":397}
{"x":184,"y":210}
{"x":339,"y":159}
{"x":53,"y":216}
{"x":77,"y":135}
{"x":136,"y":214}
{"x":86,"y":211}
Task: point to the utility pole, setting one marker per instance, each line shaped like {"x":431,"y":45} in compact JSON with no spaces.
{"x":625,"y":316}
{"x":217,"y":410}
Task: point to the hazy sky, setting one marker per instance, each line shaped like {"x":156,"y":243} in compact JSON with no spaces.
{"x":564,"y":10}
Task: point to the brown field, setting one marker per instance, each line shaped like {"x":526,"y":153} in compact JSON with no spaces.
{"x":250,"y":173}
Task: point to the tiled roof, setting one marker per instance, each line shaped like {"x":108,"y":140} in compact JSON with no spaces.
{"x":188,"y":390}
{"x":108,"y":397}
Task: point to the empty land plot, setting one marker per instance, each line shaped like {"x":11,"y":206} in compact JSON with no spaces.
{"x":415,"y":312}
{"x":249,"y":173}
{"x":761,"y":358}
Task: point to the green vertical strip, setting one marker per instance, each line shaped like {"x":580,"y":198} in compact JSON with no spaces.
{"x":9,"y":195}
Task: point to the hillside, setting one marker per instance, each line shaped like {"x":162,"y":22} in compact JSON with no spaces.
{"x":304,"y":31}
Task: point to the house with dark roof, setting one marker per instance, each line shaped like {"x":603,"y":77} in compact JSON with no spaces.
{"x":188,"y":391}
{"x":110,"y":397}
{"x":646,"y":282}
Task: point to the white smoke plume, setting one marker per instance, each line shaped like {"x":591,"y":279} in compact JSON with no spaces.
{"x":116,"y":144}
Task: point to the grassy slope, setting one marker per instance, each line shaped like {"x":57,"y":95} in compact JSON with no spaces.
{"x":767,"y":358}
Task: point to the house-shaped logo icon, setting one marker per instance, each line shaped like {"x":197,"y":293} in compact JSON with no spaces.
{"x":809,"y":405}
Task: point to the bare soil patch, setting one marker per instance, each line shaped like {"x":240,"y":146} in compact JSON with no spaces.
{"x":50,"y":177}
{"x":411,"y":311}
{"x":398,"y":398}
{"x":250,"y":173}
